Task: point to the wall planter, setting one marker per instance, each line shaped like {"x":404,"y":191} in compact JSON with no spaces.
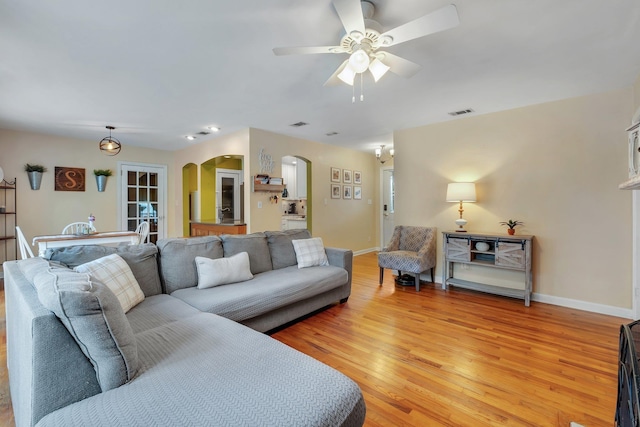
{"x":34,"y":172}
{"x":101,"y":178}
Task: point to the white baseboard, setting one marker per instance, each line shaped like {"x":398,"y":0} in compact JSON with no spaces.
{"x":609,"y":310}
{"x":584,"y":305}
{"x":366,"y":251}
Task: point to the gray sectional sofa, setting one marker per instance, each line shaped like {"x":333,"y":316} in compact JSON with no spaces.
{"x":185,"y":356}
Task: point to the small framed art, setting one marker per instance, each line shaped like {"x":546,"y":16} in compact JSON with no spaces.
{"x":335,"y":174}
{"x":346,"y":191}
{"x":357,"y":192}
{"x":346,"y":176}
{"x":357,"y":177}
{"x":335,"y":191}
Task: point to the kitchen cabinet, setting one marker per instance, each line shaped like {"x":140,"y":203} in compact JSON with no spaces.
{"x":295,"y":176}
{"x":216,"y":229}
{"x":293,"y":223}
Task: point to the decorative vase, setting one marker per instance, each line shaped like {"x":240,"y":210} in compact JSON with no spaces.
{"x":511,"y":231}
{"x":35,"y":178}
{"x":101,"y":182}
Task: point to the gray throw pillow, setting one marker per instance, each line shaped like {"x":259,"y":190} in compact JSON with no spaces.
{"x":142,"y":260}
{"x":280,"y":246}
{"x":255,"y":244}
{"x":93,"y":316}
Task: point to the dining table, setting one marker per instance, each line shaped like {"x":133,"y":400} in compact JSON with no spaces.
{"x":98,"y":238}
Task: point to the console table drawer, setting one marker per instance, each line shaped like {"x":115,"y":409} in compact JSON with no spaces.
{"x":510,"y":255}
{"x":458,"y":249}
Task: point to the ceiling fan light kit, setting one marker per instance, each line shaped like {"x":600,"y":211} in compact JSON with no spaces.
{"x":364,"y":37}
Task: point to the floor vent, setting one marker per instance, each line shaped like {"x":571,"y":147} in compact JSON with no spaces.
{"x":461,"y":112}
{"x":299,"y":124}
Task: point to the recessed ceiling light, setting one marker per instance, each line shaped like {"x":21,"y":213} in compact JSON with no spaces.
{"x":214,"y":128}
{"x":227,"y":156}
{"x":191,"y":137}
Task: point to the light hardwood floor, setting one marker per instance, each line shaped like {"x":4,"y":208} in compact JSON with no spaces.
{"x":454,"y":358}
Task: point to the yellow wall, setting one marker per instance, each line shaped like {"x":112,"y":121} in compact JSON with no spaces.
{"x":556,"y":166}
{"x":342,"y":223}
{"x":46,"y":211}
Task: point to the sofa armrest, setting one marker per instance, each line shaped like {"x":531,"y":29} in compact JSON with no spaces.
{"x":341,"y":258}
{"x":47,"y":369}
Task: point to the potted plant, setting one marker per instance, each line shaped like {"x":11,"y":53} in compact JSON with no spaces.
{"x":512,"y":223}
{"x":101,"y":178}
{"x":35,"y":175}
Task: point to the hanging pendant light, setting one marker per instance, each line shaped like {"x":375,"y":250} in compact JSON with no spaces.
{"x":110,"y":145}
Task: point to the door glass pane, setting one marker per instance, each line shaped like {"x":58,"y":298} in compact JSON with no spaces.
{"x":142,"y":180}
{"x":153,"y":179}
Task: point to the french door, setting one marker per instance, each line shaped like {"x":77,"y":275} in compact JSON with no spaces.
{"x":143,"y":198}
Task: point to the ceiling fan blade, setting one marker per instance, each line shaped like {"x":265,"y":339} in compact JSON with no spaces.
{"x":350,"y":13}
{"x":398,"y":65}
{"x":334,"y":80}
{"x":302,"y":50}
{"x":440,"y":20}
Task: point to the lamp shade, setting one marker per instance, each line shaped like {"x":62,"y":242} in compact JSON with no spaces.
{"x":461,"y":192}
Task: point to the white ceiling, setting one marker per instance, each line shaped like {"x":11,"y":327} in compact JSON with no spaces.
{"x":158,"y":70}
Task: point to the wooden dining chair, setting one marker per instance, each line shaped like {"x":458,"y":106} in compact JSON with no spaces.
{"x":77,"y":228}
{"x":25,"y":249}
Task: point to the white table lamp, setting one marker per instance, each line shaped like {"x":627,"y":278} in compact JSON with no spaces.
{"x":461,"y":192}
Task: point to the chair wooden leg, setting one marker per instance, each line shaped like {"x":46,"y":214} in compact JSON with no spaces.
{"x":417,"y":282}
{"x":381,"y":275}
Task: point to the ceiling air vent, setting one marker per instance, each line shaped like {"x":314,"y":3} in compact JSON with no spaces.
{"x":299,"y":124}
{"x":203,"y":133}
{"x":331,"y":133}
{"x":461,"y":112}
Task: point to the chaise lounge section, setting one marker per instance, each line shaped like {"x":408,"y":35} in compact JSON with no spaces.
{"x":192,"y":367}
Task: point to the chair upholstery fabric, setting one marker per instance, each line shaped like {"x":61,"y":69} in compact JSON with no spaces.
{"x":411,"y":249}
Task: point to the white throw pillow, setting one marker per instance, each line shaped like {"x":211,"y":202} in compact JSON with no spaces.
{"x":310,"y":252}
{"x":222,"y":271}
{"x":114,"y":272}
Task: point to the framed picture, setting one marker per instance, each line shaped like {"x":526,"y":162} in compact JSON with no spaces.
{"x":335,"y":191}
{"x":357,"y":177}
{"x":357,"y":192}
{"x":69,"y":179}
{"x":335,"y":175}
{"x":346,"y":191}
{"x":346,"y":176}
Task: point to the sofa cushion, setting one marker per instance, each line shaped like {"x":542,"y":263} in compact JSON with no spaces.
{"x":281,"y":248}
{"x":177,"y":259}
{"x":266,"y":292}
{"x":93,"y":316}
{"x":114,"y":272}
{"x":30,"y":267}
{"x":310,"y":252}
{"x":142,"y":259}
{"x":223,"y":271}
{"x":255,"y":244}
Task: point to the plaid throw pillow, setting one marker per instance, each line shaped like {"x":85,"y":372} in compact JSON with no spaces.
{"x":114,"y":272}
{"x":310,"y":252}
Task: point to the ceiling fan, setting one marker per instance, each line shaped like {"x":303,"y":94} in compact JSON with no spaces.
{"x":364,"y":41}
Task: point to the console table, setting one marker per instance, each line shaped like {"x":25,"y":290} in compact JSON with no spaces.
{"x":500,"y":251}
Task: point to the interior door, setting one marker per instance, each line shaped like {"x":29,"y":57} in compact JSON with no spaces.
{"x":388,"y":194}
{"x":143,"y":198}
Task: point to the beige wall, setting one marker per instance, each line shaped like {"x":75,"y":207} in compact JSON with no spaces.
{"x":46,"y":211}
{"x":555,"y":166}
{"x":236,"y":144}
{"x":342,"y":223}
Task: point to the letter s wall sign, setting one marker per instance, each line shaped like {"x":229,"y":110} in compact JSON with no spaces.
{"x":69,"y":179}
